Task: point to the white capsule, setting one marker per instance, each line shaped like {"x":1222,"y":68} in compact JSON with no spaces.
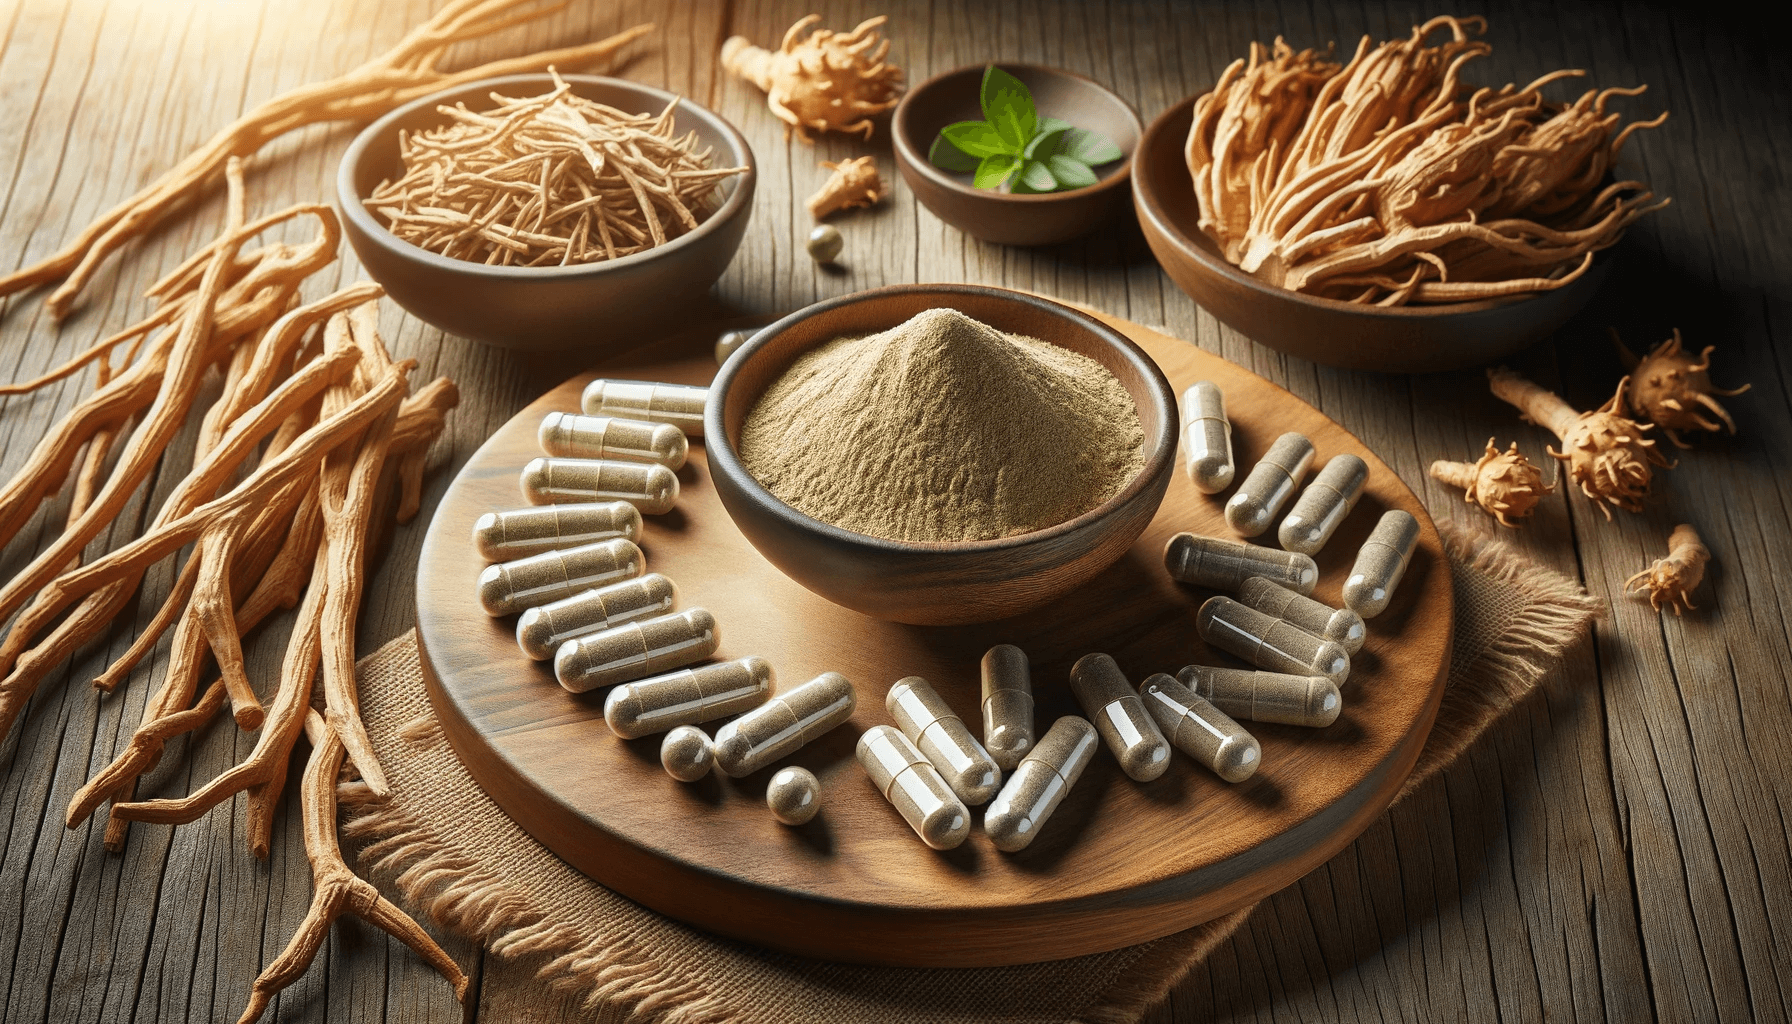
{"x":509,"y":587}
{"x":1339,"y":625}
{"x":1268,"y":642}
{"x":914,"y":787}
{"x":519,"y":533}
{"x":571,"y":436}
{"x":1039,"y":784}
{"x":636,"y":649}
{"x":1380,"y":563}
{"x":941,"y":736}
{"x":1323,"y":505}
{"x":1280,"y":697}
{"x":1200,"y":730}
{"x":1207,"y":437}
{"x":782,"y":725}
{"x":688,"y":696}
{"x":1220,"y":564}
{"x":1270,"y":484}
{"x":687,"y":754}
{"x":1125,"y":726}
{"x":794,"y":795}
{"x":1007,"y":705}
{"x":650,"y":487}
{"x":541,"y":630}
{"x":678,"y":404}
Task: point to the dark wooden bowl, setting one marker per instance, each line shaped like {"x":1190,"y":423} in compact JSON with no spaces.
{"x":999,"y":216}
{"x":580,"y":309}
{"x":937,"y":584}
{"x":1404,"y":339}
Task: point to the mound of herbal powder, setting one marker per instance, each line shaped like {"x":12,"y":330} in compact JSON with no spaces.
{"x":944,"y":429}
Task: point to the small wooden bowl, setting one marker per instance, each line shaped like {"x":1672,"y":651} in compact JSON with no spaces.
{"x":937,"y":584}
{"x":1404,"y":339}
{"x":576,"y":308}
{"x":999,"y":216}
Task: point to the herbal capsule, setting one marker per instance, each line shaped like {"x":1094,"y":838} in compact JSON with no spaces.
{"x":784,"y":724}
{"x":942,"y":738}
{"x":1039,"y":784}
{"x":914,"y":787}
{"x":729,"y":342}
{"x":509,"y":587}
{"x":519,"y":533}
{"x":650,"y":487}
{"x":825,"y":243}
{"x":606,"y":437}
{"x":1311,"y":701}
{"x":636,"y":649}
{"x":794,"y":795}
{"x":1323,"y":505}
{"x":688,"y":696}
{"x":1219,"y":564}
{"x":1380,"y":563}
{"x":687,"y":754}
{"x":1107,"y":698}
{"x":1268,"y":642}
{"x":1207,"y":437}
{"x":1272,"y":482}
{"x":1007,"y":705}
{"x":1201,"y":730}
{"x":1339,"y":625}
{"x":678,"y":404}
{"x":541,"y":630}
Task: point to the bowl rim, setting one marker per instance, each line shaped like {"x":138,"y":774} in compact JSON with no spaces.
{"x":349,"y":200}
{"x":1155,"y":218}
{"x":1160,"y":452}
{"x":907,"y":156}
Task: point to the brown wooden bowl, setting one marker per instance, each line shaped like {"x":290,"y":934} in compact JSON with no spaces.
{"x":945,"y":583}
{"x":1403,"y":339}
{"x":999,"y":216}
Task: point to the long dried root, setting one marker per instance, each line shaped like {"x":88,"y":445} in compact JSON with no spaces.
{"x":1604,"y":451}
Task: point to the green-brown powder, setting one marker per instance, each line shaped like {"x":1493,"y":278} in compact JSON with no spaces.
{"x":944,"y":429}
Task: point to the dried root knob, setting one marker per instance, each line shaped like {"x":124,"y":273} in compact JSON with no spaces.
{"x":1506,"y":484}
{"x":1673,"y":390}
{"x":1672,"y":580}
{"x":831,"y":81}
{"x":1605,"y":451}
{"x":853,"y":183}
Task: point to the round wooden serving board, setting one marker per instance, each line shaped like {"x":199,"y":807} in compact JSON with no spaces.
{"x":1118,"y":864}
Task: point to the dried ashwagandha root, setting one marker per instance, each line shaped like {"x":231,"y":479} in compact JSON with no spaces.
{"x":1672,"y":390}
{"x":831,"y":81}
{"x":854,"y":183}
{"x":1671,"y":580}
{"x":1605,"y":451}
{"x":1506,"y":484}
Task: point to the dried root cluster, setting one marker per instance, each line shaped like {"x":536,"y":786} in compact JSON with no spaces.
{"x":1673,"y":390}
{"x":855,"y":182}
{"x":1506,"y":484}
{"x":1604,"y":451}
{"x":1387,"y":180}
{"x":828,"y":82}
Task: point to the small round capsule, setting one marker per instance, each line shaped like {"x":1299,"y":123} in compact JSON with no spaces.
{"x":942,"y":738}
{"x":1339,"y":625}
{"x":794,"y":795}
{"x":687,"y":754}
{"x":1220,"y":564}
{"x":519,"y":533}
{"x":1270,"y":484}
{"x":1380,"y":563}
{"x":825,"y":243}
{"x":688,"y":697}
{"x":1310,"y":701}
{"x":729,"y":342}
{"x":571,"y":436}
{"x":1200,"y":730}
{"x":1125,"y":726}
{"x":678,"y":404}
{"x":1268,"y":642}
{"x":1323,"y":505}
{"x":1039,"y":784}
{"x":1207,"y":437}
{"x":509,"y":587}
{"x":636,"y":649}
{"x":913,"y":786}
{"x":650,"y":487}
{"x":1007,"y":705}
{"x":541,"y":630}
{"x":782,"y":725}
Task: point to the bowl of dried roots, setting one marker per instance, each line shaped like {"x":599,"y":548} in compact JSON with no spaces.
{"x":1380,"y":213}
{"x":546,"y":211}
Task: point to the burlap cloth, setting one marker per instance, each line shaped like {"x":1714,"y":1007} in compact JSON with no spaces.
{"x":456,"y":856}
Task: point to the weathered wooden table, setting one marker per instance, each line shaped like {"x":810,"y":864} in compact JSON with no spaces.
{"x":1614,"y":851}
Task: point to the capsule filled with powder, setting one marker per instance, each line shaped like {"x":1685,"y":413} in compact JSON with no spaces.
{"x":1311,"y":701}
{"x":688,"y":696}
{"x":1380,"y":563}
{"x":509,"y":587}
{"x":636,"y":649}
{"x":1220,"y":564}
{"x":650,"y":487}
{"x":942,"y":738}
{"x":687,"y":754}
{"x":1125,"y":726}
{"x":681,"y":405}
{"x":782,"y":725}
{"x":1039,"y":784}
{"x":914,"y":787}
{"x":1324,"y":504}
{"x":571,"y":436}
{"x":519,"y":533}
{"x":793,"y":795}
{"x":1007,"y":705}
{"x":1207,"y":437}
{"x":1268,"y":642}
{"x":1270,"y":484}
{"x":1200,"y":730}
{"x":541,"y":630}
{"x":1339,"y":625}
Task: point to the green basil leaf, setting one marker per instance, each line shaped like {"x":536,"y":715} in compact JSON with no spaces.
{"x":995,"y":169}
{"x":975,"y":138}
{"x":1052,"y":124}
{"x":1092,"y":148}
{"x":1036,"y":177}
{"x":1044,"y":144}
{"x":944,"y":155}
{"x":1008,"y":107}
{"x":1070,"y":172}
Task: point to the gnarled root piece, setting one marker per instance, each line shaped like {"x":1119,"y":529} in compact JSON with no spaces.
{"x":1605,"y":452}
{"x":831,"y":81}
{"x":337,"y":889}
{"x":1671,"y":389}
{"x":853,"y":183}
{"x":1672,"y":580}
{"x":1506,"y":484}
